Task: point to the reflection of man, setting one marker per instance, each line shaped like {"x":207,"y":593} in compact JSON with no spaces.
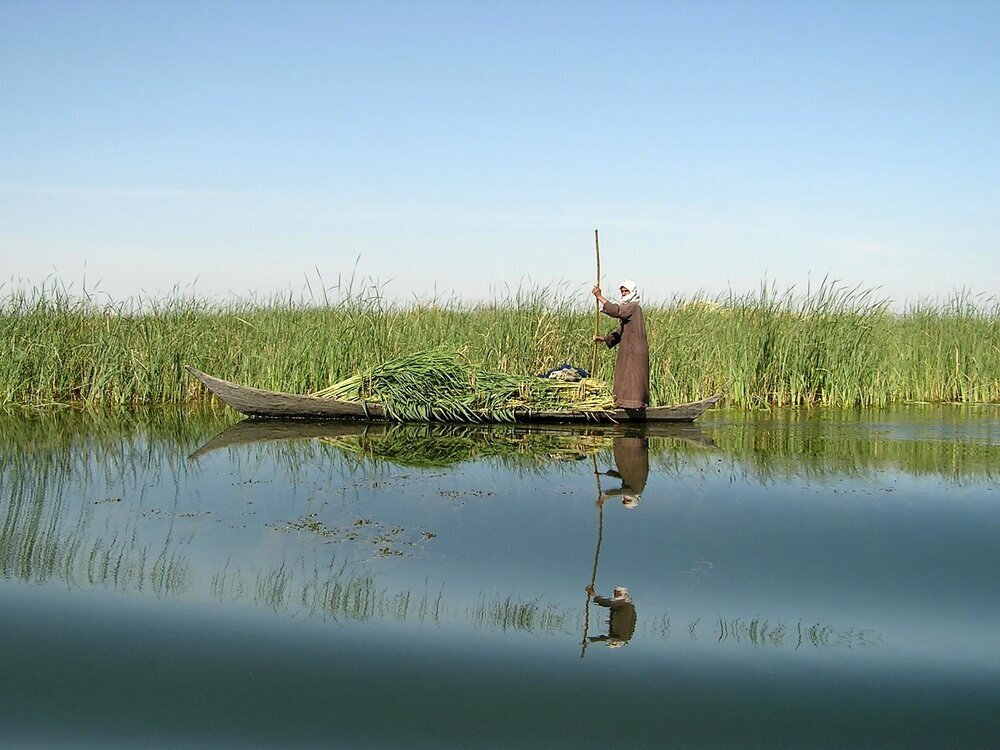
{"x":621,"y":623}
{"x":632,"y":467}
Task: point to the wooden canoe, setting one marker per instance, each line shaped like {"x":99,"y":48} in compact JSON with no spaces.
{"x":255,"y":402}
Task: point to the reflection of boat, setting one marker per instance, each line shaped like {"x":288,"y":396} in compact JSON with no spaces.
{"x":272,"y":430}
{"x":478,"y":437}
{"x":255,"y":402}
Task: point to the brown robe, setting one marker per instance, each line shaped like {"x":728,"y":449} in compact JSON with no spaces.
{"x":631,"y":387}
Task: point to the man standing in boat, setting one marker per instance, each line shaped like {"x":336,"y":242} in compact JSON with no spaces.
{"x":631,"y":386}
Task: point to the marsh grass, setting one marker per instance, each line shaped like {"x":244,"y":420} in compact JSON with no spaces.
{"x":831,"y":346}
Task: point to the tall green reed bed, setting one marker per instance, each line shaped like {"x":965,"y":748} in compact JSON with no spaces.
{"x":830,"y":346}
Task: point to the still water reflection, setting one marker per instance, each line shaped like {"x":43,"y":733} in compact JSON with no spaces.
{"x":791,"y":578}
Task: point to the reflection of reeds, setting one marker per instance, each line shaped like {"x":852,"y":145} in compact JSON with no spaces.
{"x":113,"y":447}
{"x":662,"y":627}
{"x":416,"y":451}
{"x":273,"y":588}
{"x":109,"y":446}
{"x":508,"y":613}
{"x":170,"y":574}
{"x":437,"y":446}
{"x":36,"y":548}
{"x":49,"y":457}
{"x":959,"y":444}
{"x":228,"y":584}
{"x":39,"y":548}
{"x":820,"y":636}
{"x":758,"y":631}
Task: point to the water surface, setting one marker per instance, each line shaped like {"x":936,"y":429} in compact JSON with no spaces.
{"x":797,"y":578}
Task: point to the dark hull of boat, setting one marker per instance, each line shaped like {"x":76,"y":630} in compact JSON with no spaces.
{"x":255,"y":402}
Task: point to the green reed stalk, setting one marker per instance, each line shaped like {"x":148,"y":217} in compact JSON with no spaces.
{"x":831,"y":346}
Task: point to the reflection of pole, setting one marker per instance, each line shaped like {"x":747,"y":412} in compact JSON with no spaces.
{"x":597,"y":556}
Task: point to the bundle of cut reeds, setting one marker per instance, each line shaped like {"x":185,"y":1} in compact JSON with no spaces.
{"x":439,"y":384}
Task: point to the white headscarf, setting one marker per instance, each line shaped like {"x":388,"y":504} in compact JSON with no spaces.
{"x":633,"y":291}
{"x":620,"y":594}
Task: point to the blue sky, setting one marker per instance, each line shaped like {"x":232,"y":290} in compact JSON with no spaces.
{"x":466,"y":147}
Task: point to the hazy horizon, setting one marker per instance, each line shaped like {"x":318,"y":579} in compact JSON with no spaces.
{"x":452,"y":150}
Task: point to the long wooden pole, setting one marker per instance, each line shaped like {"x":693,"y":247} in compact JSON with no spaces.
{"x":597,"y":311}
